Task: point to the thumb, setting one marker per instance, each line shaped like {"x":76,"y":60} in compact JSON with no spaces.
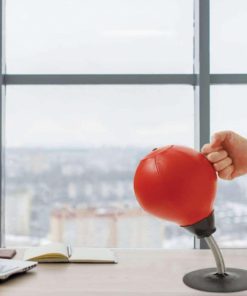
{"x":218,"y":138}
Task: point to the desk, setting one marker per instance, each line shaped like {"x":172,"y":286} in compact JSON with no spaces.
{"x":139,"y":272}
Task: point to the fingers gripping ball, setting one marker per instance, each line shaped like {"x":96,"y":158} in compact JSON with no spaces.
{"x":176,"y":183}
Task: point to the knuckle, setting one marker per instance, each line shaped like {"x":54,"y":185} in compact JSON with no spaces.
{"x":205,"y":147}
{"x":216,"y":166}
{"x":229,"y":160}
{"x":210,"y":157}
{"x":224,"y":153}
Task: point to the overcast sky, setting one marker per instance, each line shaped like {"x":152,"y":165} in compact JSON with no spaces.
{"x":113,"y":36}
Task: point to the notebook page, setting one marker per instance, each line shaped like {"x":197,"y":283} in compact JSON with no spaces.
{"x":95,"y":255}
{"x":50,"y":251}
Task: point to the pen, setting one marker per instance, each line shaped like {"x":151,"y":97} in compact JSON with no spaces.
{"x":69,"y":250}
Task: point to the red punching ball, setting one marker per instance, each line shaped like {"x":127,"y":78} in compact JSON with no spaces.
{"x":178,"y":184}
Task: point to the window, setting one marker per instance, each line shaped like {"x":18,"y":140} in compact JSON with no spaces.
{"x":110,"y":36}
{"x":71,"y":150}
{"x":231,"y":203}
{"x":91,"y":87}
{"x":71,"y":156}
{"x":228,"y":42}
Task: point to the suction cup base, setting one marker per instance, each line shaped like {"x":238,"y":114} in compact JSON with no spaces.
{"x":234,"y":280}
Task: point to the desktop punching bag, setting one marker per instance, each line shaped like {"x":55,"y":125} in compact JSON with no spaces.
{"x":178,"y":184}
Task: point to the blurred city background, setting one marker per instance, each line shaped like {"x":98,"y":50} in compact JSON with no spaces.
{"x":85,"y":197}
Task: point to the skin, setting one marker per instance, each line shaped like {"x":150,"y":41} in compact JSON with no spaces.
{"x":227,"y":151}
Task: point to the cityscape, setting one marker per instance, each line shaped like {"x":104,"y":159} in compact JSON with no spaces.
{"x":85,"y":197}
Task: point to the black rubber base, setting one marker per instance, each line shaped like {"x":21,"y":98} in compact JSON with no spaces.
{"x":235,"y":280}
{"x":203,"y":228}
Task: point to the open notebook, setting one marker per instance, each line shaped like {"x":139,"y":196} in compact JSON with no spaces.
{"x":63,"y":253}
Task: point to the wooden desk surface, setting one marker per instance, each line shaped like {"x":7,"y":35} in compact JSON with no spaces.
{"x":139,"y":272}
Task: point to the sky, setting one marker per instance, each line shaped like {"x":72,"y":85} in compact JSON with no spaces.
{"x":117,"y":37}
{"x":113,"y":36}
{"x":95,"y":36}
{"x":86,"y":116}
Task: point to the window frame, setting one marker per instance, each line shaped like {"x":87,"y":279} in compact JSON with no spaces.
{"x":201,"y":79}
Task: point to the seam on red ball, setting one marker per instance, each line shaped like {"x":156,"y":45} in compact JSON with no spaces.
{"x":157,"y":168}
{"x":155,"y":160}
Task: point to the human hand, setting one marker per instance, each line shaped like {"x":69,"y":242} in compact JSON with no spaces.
{"x":227,"y":151}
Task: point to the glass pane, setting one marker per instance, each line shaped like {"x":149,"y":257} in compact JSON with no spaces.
{"x":228,"y":112}
{"x":111,"y":36}
{"x":70,"y":159}
{"x":228,"y":36}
